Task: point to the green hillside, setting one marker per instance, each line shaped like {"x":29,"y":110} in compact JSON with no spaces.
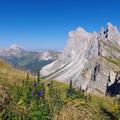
{"x":28,"y":98}
{"x":9,"y":75}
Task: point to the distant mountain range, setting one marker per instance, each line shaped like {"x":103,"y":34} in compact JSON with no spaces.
{"x":90,"y":60}
{"x":28,"y":60}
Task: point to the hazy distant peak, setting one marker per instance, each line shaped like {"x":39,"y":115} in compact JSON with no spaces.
{"x":14,"y":46}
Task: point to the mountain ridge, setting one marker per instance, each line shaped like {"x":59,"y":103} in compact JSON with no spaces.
{"x":83,"y":59}
{"x":28,"y":60}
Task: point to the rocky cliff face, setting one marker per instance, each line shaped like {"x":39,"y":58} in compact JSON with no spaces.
{"x":89,"y":60}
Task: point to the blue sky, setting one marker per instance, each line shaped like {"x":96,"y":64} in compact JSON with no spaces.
{"x":44,"y":24}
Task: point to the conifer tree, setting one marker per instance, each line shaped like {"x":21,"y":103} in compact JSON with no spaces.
{"x":38,"y":75}
{"x":43,"y":87}
{"x":70,"y":90}
{"x":89,"y":97}
{"x":80,"y":88}
{"x":70,"y":86}
{"x":51,"y":90}
{"x":27,"y":77}
{"x":51,"y":84}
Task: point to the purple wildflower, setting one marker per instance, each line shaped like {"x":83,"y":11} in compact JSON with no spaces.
{"x":35,"y":84}
{"x":33,"y":93}
{"x":40,"y":93}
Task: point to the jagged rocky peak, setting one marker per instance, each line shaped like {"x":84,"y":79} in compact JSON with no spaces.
{"x":101,"y":33}
{"x":78,"y":41}
{"x":79,"y":33}
{"x":88,"y":59}
{"x":110,"y":27}
{"x":111,"y":34}
{"x":102,"y":29}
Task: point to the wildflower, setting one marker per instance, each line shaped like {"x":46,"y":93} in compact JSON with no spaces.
{"x":35,"y":84}
{"x":33,"y":93}
{"x":40,"y":93}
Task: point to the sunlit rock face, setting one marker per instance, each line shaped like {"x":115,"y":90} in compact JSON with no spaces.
{"x":88,"y":59}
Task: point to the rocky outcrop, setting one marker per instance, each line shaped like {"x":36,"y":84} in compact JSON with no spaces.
{"x":88,"y":59}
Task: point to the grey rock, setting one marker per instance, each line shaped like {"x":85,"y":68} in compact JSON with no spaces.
{"x":88,"y":59}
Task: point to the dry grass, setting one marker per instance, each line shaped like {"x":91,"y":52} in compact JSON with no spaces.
{"x":79,"y":110}
{"x":9,"y":75}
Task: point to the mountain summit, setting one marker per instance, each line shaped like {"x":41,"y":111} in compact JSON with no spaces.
{"x":89,"y":59}
{"x":15,"y":47}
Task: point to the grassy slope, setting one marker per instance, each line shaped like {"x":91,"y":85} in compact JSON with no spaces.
{"x":99,"y":108}
{"x":9,"y":75}
{"x":76,"y":108}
